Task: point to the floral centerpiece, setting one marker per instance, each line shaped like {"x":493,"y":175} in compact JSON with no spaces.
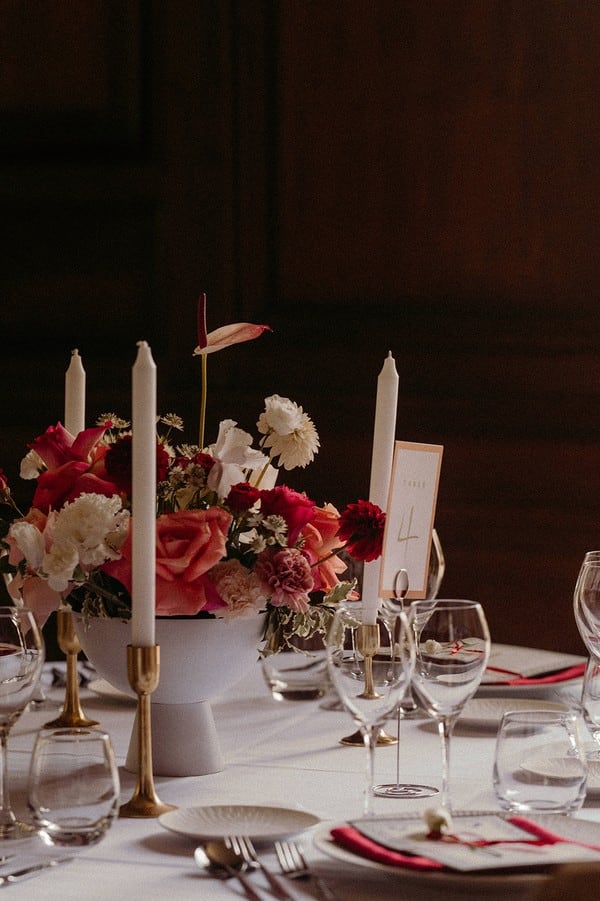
{"x":230,"y":542}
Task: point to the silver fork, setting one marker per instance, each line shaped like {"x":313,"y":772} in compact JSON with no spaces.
{"x":293,"y":864}
{"x":243,"y":846}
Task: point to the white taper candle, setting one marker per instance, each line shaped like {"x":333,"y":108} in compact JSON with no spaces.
{"x":384,"y":435}
{"x":75,"y":395}
{"x":143,"y":498}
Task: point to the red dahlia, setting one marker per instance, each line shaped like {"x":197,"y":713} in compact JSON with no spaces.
{"x":361,"y":527}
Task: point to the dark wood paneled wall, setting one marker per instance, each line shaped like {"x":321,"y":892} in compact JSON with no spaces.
{"x":364,"y":176}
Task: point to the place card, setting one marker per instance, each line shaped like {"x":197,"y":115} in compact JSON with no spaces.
{"x":509,"y":846}
{"x":508,"y":662}
{"x":410,"y":517}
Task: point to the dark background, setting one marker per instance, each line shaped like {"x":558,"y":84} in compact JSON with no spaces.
{"x":363,"y":176}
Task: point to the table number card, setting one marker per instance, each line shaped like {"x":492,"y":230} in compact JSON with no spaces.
{"x":410,"y":516}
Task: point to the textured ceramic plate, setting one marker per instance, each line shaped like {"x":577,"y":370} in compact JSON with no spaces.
{"x":219,"y":820}
{"x":470,"y":884}
{"x":487,"y":712}
{"x":554,"y":765}
{"x":104,"y":689}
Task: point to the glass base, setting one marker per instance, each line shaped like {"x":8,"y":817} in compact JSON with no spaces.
{"x":404,"y":790}
{"x":17,"y":831}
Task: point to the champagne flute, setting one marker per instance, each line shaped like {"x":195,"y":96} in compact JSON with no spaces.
{"x":452,"y":647}
{"x":370,"y":661}
{"x":21,"y":659}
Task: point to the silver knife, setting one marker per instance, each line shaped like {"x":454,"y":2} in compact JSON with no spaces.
{"x":17,"y":875}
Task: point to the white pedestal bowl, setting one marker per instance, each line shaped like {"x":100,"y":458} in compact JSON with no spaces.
{"x":199,"y":659}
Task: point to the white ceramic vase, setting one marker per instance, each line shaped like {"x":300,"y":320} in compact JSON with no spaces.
{"x":199,"y":659}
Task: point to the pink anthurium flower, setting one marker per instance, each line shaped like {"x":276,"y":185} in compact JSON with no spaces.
{"x":220,"y":338}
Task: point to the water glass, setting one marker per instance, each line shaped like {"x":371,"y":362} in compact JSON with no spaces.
{"x":540,"y":764}
{"x":299,"y":674}
{"x":73,"y":785}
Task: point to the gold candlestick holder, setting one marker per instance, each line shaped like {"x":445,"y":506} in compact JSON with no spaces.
{"x":143,"y":668}
{"x":367,"y":640}
{"x":72,"y":715}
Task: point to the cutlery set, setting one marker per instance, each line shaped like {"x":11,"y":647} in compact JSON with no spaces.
{"x":236,"y":857}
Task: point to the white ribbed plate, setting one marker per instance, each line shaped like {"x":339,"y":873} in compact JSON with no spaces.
{"x":487,"y":712}
{"x":219,"y":820}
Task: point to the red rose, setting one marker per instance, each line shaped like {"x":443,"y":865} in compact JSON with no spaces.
{"x":242,"y":496}
{"x":296,"y":508}
{"x":188,"y":544}
{"x":57,"y":487}
{"x":74,"y":466}
{"x":361,"y":526}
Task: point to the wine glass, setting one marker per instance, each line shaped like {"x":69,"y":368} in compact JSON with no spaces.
{"x":590,"y":702}
{"x":586,"y":602}
{"x":452,"y":647}
{"x":21,"y":659}
{"x":370,"y":658}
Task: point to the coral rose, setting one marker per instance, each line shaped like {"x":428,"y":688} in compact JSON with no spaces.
{"x":320,"y":540}
{"x":188,"y":544}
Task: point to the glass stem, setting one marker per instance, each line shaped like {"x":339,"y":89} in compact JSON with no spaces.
{"x":370,"y":740}
{"x":7,"y":817}
{"x":445,"y":727}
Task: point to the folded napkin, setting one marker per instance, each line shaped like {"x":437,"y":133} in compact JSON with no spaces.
{"x":351,"y":838}
{"x":563,"y":675}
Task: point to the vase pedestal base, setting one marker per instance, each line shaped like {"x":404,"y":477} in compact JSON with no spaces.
{"x":184,"y":741}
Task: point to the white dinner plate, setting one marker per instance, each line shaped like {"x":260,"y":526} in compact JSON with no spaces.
{"x":529,"y":691}
{"x":216,"y":821}
{"x":554,"y":764}
{"x":486,"y":713}
{"x":472,"y":883}
{"x":104,"y":689}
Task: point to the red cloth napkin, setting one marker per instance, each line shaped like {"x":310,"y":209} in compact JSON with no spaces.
{"x":352,"y":839}
{"x":572,"y":672}
{"x":544,"y":836}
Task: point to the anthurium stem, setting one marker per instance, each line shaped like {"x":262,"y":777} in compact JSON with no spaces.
{"x":203,"y":402}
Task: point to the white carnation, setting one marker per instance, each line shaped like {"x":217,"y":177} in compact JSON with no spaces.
{"x":95,"y":525}
{"x":60,"y":563}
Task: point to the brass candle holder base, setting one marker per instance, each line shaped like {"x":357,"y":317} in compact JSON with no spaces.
{"x":72,"y":715}
{"x":143,"y":667}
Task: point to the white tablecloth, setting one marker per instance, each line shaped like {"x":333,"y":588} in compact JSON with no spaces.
{"x":282,"y":753}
